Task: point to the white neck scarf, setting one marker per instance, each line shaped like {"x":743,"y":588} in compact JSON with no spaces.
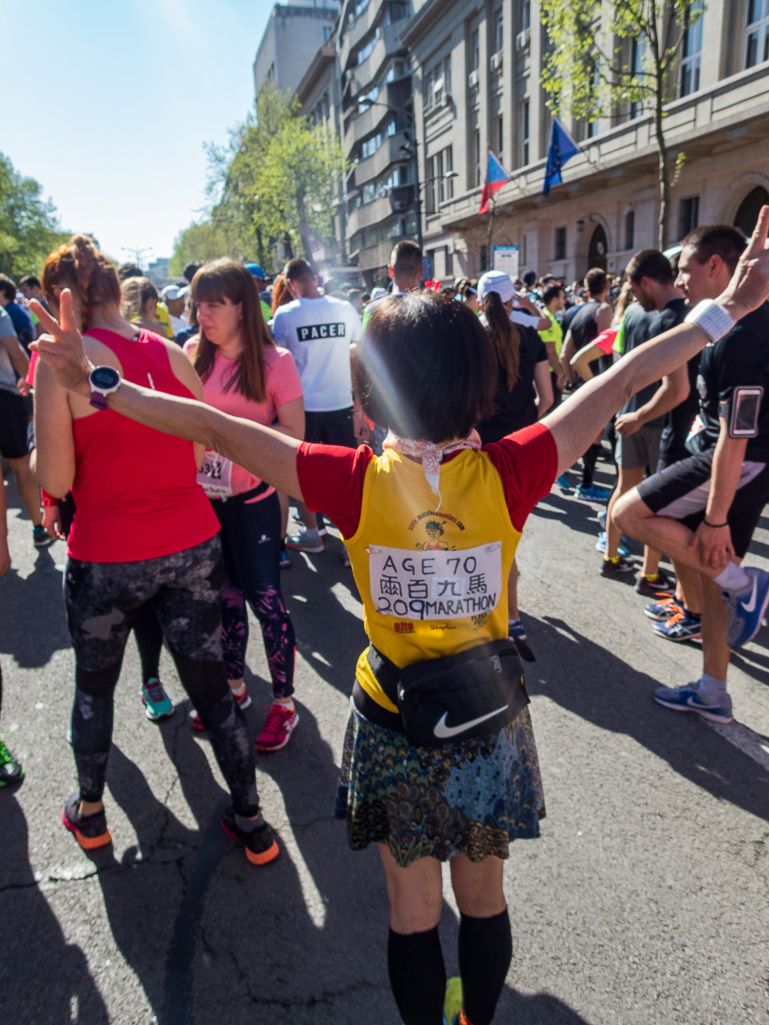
{"x":430,"y":455}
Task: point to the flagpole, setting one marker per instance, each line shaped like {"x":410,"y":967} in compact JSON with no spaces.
{"x":489,"y":250}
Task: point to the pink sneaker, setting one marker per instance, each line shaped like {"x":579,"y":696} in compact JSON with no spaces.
{"x":278,"y":727}
{"x":243,"y":699}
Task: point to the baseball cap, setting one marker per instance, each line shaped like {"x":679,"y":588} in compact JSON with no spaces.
{"x":496,"y":281}
{"x":377,"y":293}
{"x":173,"y":292}
{"x":254,"y":270}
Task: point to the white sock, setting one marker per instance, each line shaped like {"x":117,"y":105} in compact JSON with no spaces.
{"x":733,"y":579}
{"x":710,"y":688}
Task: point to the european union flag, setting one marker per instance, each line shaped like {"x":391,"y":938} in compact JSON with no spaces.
{"x":560,"y":149}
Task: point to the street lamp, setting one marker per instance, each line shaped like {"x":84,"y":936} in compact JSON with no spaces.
{"x":410,"y":149}
{"x":137,"y":253}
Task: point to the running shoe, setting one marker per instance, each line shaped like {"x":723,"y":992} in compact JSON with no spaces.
{"x":746,"y":611}
{"x":663,"y":609}
{"x":285,"y":562}
{"x":90,"y":830}
{"x":662,"y":585}
{"x":261,"y":845}
{"x":595,"y":493}
{"x":11,"y":769}
{"x":242,"y":697}
{"x":689,"y":699}
{"x":322,"y":530}
{"x":516,"y":631}
{"x":682,"y":626}
{"x":452,"y":1002}
{"x":157,"y":704}
{"x":601,"y":517}
{"x":563,"y":484}
{"x":280,"y":723}
{"x":299,"y":544}
{"x":612,"y":569}
{"x":600,"y":545}
{"x":40,"y":537}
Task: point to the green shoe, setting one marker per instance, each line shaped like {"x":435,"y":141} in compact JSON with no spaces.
{"x":11,"y":770}
{"x":452,"y":1002}
{"x":157,"y":704}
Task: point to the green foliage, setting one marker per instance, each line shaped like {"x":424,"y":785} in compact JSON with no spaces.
{"x":28,"y":224}
{"x":277,"y":179}
{"x":199,"y":242}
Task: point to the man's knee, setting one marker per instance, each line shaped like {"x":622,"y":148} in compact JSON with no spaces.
{"x":630,"y":510}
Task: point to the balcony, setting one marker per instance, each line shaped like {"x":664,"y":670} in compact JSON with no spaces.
{"x":358,"y":127}
{"x":387,"y":44}
{"x":368,"y":214}
{"x":358,"y":31}
{"x":388,"y":153}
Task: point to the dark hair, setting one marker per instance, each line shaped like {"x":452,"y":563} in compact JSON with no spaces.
{"x":406,"y":258}
{"x":7,"y":287}
{"x":530,"y":278}
{"x":595,"y":281}
{"x":504,"y":335}
{"x":226,"y":279}
{"x":80,"y":266}
{"x":30,"y":279}
{"x":427,"y":368}
{"x":649,"y":263}
{"x":717,"y":240}
{"x":129,"y":270}
{"x":552,"y":292}
{"x":191,"y":270}
{"x":298,"y":269}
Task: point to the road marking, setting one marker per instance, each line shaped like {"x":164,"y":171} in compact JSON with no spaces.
{"x":753,"y":744}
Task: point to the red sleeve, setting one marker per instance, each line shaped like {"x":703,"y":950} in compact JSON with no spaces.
{"x":331,"y":478}
{"x":527,"y":462}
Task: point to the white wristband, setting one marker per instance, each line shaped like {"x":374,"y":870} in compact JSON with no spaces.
{"x":713,"y":320}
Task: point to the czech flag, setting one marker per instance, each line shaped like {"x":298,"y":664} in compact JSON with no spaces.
{"x":496,"y":176}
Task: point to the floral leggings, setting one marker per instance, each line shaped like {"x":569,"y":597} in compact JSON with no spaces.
{"x":251,"y":543}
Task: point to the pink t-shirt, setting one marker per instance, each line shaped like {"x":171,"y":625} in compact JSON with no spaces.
{"x":283,"y":385}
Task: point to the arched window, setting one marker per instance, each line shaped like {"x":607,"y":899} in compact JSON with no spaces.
{"x":747,"y":215}
{"x":596,"y":254}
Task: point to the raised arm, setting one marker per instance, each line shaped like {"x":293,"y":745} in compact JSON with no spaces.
{"x":575,"y":423}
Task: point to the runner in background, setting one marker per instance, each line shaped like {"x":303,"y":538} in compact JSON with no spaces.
{"x":21,"y":320}
{"x":245,"y":375}
{"x":11,"y":770}
{"x":257,"y":274}
{"x":140,"y":305}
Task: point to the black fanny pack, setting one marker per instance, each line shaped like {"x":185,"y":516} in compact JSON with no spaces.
{"x":445,"y":700}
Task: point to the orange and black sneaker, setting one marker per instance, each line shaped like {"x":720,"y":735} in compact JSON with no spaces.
{"x":261,"y":845}
{"x":90,"y":830}
{"x":664,"y":608}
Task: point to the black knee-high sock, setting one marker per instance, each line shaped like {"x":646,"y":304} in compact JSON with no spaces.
{"x":485,"y":953}
{"x":417,"y":976}
{"x":589,"y":460}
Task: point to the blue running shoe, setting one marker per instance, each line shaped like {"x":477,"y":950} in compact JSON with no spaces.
{"x":595,"y":493}
{"x":681,"y":626}
{"x":157,"y":704}
{"x":688,"y":699}
{"x":746,"y":610}
{"x":600,"y":546}
{"x":601,"y":517}
{"x":665,"y":608}
{"x":563,"y":484}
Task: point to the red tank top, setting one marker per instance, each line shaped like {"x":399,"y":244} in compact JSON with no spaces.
{"x":135,"y":488}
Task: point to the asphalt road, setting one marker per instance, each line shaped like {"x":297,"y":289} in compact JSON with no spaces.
{"x":643,"y":903}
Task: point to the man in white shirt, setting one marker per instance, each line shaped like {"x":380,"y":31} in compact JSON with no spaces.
{"x":318,"y":331}
{"x":174,"y":297}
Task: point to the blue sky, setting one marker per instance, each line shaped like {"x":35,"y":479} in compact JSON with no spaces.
{"x":111,"y":102}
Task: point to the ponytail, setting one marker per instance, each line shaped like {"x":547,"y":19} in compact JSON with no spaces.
{"x":504,"y":335}
{"x":79,"y":266}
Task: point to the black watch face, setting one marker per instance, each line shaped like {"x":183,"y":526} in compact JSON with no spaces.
{"x":105,"y":377}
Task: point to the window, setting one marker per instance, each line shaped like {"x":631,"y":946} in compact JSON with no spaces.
{"x":403,"y":175}
{"x":630,"y":229}
{"x":396,"y":70}
{"x":637,"y":51}
{"x":688,"y":215}
{"x":526,"y":15}
{"x":475,"y":50}
{"x":525,"y":132}
{"x":448,"y":172}
{"x":476,"y":158}
{"x":499,"y":31}
{"x":484,"y":259}
{"x":440,"y":180}
{"x":396,"y":10}
{"x":365,"y":101}
{"x":523,"y":250}
{"x":367,"y":50}
{"x":691,"y":49}
{"x":437,"y":84}
{"x":499,"y":134}
{"x":370,"y":146}
{"x":449,"y":262}
{"x":560,"y":244}
{"x":757,"y":32}
{"x":326,"y":32}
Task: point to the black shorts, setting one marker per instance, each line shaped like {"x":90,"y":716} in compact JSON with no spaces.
{"x":681,"y":492}
{"x":333,"y":427}
{"x":13,"y":425}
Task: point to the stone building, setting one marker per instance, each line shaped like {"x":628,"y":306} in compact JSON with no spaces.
{"x":291,"y":39}
{"x":476,"y":70}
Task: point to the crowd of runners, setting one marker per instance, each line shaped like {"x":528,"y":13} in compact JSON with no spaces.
{"x":177,"y":441}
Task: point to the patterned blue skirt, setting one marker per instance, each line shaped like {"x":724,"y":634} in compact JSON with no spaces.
{"x":473,"y":797}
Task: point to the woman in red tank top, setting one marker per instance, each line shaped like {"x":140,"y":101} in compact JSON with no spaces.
{"x":143,"y":532}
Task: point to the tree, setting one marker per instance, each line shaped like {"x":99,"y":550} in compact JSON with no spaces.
{"x":199,"y":243}
{"x":28,"y":224}
{"x":610,"y":53}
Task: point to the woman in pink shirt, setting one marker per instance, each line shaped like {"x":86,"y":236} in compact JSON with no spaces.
{"x":245,"y":375}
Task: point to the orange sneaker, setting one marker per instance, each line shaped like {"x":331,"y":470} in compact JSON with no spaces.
{"x":90,"y":830}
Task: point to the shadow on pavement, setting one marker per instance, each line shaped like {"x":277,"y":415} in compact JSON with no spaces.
{"x":38,"y":626}
{"x":43,"y":978}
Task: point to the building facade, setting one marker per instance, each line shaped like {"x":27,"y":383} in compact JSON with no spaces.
{"x":476,"y":69}
{"x":294,"y":34}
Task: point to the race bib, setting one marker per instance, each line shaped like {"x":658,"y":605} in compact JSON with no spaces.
{"x":693,"y":438}
{"x":435,"y":584}
{"x":215,"y":475}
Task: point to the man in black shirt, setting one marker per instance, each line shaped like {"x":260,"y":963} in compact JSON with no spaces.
{"x":704,"y":509}
{"x":639,"y":425}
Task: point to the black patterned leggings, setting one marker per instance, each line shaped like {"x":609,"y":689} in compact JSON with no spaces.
{"x":102,"y":601}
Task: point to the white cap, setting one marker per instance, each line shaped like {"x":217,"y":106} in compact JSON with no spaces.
{"x":377,"y":293}
{"x":496,"y":281}
{"x":171,"y":292}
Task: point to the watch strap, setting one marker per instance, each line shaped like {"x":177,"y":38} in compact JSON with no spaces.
{"x":713,"y":320}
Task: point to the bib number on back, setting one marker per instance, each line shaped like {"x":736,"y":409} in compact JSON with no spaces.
{"x":215,"y":475}
{"x":435,"y":584}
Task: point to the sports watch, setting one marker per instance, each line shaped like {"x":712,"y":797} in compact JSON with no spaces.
{"x":104,"y":381}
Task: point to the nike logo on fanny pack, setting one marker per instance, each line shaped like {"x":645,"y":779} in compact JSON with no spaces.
{"x":750,"y":606}
{"x":443,"y":732}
